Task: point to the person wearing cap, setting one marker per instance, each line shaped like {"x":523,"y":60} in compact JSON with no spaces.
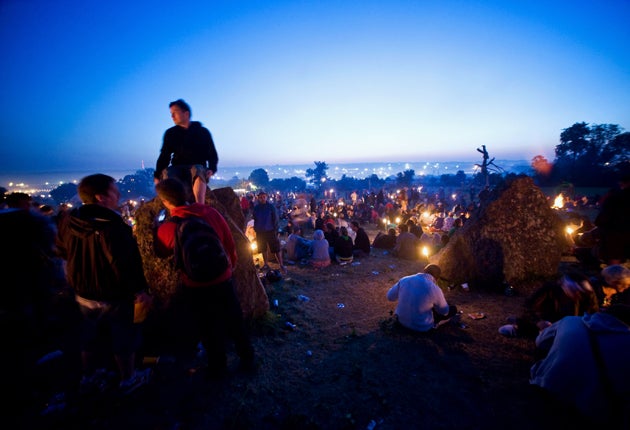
{"x":266,"y":222}
{"x":421,"y":302}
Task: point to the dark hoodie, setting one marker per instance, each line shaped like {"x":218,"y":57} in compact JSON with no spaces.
{"x":187,"y":146}
{"x":103,"y":260}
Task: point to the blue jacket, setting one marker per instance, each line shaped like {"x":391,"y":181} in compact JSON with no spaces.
{"x":265,"y":217}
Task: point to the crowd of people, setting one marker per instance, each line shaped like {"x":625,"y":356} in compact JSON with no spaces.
{"x":87,"y":265}
{"x":572,"y":315}
{"x":423,"y":222}
{"x":86,"y":292}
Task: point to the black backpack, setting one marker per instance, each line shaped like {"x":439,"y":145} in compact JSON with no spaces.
{"x":199,"y":252}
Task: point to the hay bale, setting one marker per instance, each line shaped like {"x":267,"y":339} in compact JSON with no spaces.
{"x":514,"y":236}
{"x":159,"y":271}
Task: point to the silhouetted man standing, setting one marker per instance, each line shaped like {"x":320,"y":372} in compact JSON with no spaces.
{"x":189,"y":149}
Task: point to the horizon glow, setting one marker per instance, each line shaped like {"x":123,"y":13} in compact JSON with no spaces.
{"x":87,"y":85}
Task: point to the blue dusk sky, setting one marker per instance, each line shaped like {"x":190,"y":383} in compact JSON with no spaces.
{"x":86,"y":84}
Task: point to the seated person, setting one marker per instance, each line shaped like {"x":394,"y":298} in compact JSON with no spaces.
{"x":585,"y":367}
{"x":320,"y":221}
{"x":385,"y":241}
{"x":457,"y":224}
{"x":297,"y":248}
{"x":448,"y":222}
{"x":617,"y":284}
{"x":406,"y":244}
{"x":414,"y":228}
{"x":571,"y":295}
{"x":438,"y":222}
{"x":341,"y":221}
{"x":421,"y":303}
{"x":320,"y":256}
{"x":343,"y":247}
{"x":361,"y":247}
{"x":444,"y":238}
{"x":250,"y":232}
{"x":584,"y":244}
{"x":331,"y":234}
{"x":374,"y":217}
{"x":426,"y":239}
{"x":299,"y":216}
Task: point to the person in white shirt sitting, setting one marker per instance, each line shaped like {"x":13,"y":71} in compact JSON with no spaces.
{"x":421,"y":302}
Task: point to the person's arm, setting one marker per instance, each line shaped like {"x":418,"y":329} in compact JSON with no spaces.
{"x":440,"y":305}
{"x":211,"y":156}
{"x":165,"y":239}
{"x":392,"y":294}
{"x":274,"y":217}
{"x":304,"y":242}
{"x":126,"y":261}
{"x":545,"y":338}
{"x":164,"y":158}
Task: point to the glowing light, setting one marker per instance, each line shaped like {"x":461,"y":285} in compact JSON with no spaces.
{"x":425,"y":251}
{"x":254,"y":246}
{"x":569,"y":230}
{"x":558,"y":202}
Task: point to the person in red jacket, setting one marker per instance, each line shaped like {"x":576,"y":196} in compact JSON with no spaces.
{"x":213,"y":306}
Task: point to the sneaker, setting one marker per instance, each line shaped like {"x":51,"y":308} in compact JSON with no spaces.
{"x":508,"y":330}
{"x":140,"y":378}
